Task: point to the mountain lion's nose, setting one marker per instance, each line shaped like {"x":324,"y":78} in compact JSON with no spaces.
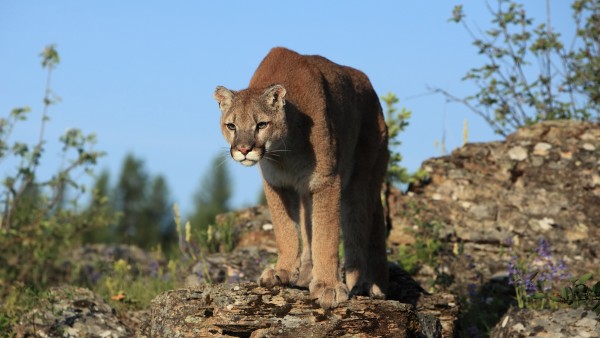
{"x":244,"y":149}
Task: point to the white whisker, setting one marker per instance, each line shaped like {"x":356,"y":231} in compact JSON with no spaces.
{"x":284,"y":145}
{"x":222,"y":162}
{"x":270,"y":159}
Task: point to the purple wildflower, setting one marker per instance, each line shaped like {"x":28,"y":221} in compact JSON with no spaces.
{"x":529,"y":285}
{"x":553,"y":270}
{"x":564,"y":273}
{"x":543,"y":249}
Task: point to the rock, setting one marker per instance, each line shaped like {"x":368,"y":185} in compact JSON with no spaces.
{"x":436,"y":313}
{"x":243,"y":264}
{"x":541,"y":149}
{"x":246,"y":310}
{"x":517,"y":153}
{"x":253,"y":228}
{"x":545,"y":323}
{"x":72,"y":312}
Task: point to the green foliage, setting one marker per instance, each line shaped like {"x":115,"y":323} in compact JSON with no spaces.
{"x":397,"y":121}
{"x":530,"y":75}
{"x":129,"y":291}
{"x":578,"y":293}
{"x":424,"y":251}
{"x":39,"y":220}
{"x":536,"y":277}
{"x":221,"y":237}
{"x":18,"y":299}
{"x":426,"y":248}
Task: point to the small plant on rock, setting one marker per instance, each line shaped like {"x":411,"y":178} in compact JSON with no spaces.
{"x":537,"y":272}
{"x":579,"y":293}
{"x":537,"y":277}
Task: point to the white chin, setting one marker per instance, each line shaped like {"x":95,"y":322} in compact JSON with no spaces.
{"x":248,"y":163}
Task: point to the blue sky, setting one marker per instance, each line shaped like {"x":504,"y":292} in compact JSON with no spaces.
{"x":140,"y":74}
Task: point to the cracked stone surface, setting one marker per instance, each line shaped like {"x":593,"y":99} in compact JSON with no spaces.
{"x":247,"y":310}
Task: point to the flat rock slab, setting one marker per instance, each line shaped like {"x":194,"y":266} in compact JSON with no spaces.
{"x":247,"y":310}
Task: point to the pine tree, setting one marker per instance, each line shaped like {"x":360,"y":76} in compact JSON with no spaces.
{"x":143,"y":202}
{"x":130,"y":196}
{"x":159,"y":211}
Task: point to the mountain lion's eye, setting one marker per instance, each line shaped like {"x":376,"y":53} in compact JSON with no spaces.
{"x":262,"y":125}
{"x":230,"y":126}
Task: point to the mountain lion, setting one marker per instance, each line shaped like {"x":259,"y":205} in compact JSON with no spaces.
{"x":317,"y":130}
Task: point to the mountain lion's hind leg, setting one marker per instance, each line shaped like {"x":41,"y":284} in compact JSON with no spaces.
{"x":356,"y":224}
{"x":377,"y":267}
{"x":378,"y":270}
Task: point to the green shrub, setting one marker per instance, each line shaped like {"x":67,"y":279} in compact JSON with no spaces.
{"x":39,"y":219}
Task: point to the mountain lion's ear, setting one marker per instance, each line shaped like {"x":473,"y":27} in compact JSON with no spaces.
{"x":224,"y":96}
{"x":275,"y":96}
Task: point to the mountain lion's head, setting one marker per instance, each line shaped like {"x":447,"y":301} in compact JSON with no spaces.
{"x":252,"y":121}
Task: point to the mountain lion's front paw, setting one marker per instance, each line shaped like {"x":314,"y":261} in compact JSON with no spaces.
{"x":328,"y":296}
{"x":274,"y":277}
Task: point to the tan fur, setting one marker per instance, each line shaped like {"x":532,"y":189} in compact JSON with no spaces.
{"x":318,"y":132}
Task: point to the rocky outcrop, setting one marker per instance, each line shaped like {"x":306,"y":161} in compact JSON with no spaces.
{"x":496,"y":201}
{"x":246,"y":310}
{"x":542,"y":182}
